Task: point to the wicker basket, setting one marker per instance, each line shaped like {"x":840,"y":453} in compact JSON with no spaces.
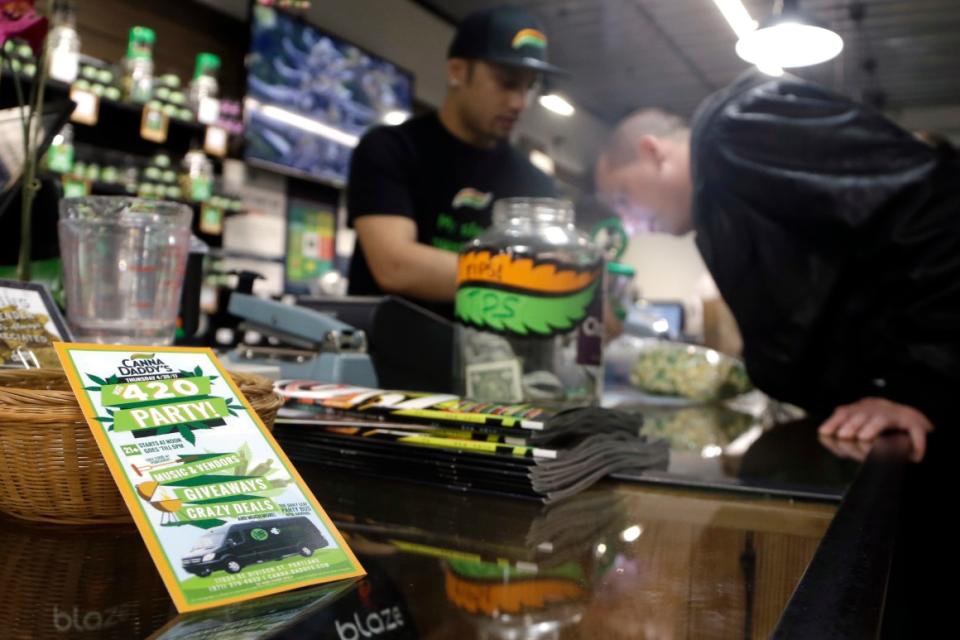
{"x":51,"y":467}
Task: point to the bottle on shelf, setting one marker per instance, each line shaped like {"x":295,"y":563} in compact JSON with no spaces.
{"x":204,"y":89}
{"x":197,"y":176}
{"x":64,"y":42}
{"x":61,"y":155}
{"x":138,"y":65}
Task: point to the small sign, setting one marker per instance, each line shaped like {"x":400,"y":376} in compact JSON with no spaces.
{"x":211,"y":219}
{"x":74,"y":187}
{"x":87,"y":110}
{"x":154,"y":125}
{"x":30,"y":322}
{"x":215,"y":142}
{"x":223,"y":512}
{"x":60,"y":158}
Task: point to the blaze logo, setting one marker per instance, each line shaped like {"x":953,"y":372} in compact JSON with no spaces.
{"x":470,"y":197}
{"x":529,"y":38}
{"x":387,"y":620}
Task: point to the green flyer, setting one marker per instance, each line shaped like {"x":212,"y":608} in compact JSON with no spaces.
{"x":224,"y":514}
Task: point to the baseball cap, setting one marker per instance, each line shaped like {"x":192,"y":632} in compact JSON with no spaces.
{"x":505,"y":35}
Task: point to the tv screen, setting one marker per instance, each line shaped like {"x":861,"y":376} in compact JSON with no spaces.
{"x":310,"y":96}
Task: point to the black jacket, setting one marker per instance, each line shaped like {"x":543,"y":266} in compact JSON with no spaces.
{"x":834,"y":236}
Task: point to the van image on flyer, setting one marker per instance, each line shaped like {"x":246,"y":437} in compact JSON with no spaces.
{"x":235,"y":546}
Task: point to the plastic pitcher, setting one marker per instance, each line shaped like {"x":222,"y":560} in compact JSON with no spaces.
{"x":123,"y":264}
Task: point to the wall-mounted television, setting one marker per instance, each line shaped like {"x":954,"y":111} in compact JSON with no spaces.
{"x":310,"y":96}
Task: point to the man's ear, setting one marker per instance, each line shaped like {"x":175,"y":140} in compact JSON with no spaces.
{"x":456,"y":72}
{"x":652,"y":148}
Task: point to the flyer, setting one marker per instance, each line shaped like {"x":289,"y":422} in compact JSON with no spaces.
{"x":30,"y":323}
{"x":224,"y":514}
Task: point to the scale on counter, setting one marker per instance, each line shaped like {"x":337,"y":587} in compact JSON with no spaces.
{"x":312,"y":345}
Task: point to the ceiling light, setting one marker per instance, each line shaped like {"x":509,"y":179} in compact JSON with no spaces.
{"x":773,"y":71}
{"x":630,"y":534}
{"x":557,"y":104}
{"x":395,"y":117}
{"x":789,"y":39}
{"x":740,"y":21}
{"x":737,"y":16}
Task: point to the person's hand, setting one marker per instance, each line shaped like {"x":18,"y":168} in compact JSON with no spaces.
{"x":868,"y":418}
{"x":851,"y":449}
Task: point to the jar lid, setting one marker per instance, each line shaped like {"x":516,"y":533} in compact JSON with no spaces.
{"x":206,"y":63}
{"x":140,"y":43}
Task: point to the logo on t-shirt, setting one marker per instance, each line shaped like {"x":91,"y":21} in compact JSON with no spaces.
{"x":470,"y":197}
{"x":529,"y":38}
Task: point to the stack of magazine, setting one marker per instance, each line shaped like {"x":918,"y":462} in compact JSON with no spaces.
{"x":515,"y":450}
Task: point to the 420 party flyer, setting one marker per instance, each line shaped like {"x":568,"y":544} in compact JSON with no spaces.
{"x":224,"y":514}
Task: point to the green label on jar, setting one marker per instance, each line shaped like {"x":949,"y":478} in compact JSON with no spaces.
{"x":518,"y":295}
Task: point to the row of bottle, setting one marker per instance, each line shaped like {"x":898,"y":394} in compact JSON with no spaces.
{"x":158,"y":178}
{"x":138,"y":76}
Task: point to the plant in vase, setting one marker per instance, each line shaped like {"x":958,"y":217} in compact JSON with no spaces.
{"x":21,"y":20}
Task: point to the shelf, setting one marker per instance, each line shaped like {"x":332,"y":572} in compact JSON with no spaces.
{"x":118,"y":125}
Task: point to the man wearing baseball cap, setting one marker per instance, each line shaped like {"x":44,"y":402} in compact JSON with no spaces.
{"x":419,"y":190}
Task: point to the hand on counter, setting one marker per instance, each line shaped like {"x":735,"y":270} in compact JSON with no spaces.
{"x":866,"y":419}
{"x":846,"y":449}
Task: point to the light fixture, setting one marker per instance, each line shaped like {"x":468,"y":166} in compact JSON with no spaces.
{"x":737,"y":16}
{"x":742,"y":24}
{"x":770,"y":70}
{"x":789,"y":39}
{"x":395,"y":117}
{"x":557,"y":104}
{"x":630,"y":534}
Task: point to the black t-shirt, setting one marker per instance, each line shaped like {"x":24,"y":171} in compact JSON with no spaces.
{"x":420,"y":170}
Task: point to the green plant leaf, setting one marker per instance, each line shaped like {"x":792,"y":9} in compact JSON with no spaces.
{"x":98,"y":380}
{"x":187,"y":433}
{"x":197,"y":371}
{"x":262,"y":469}
{"x":521,"y":313}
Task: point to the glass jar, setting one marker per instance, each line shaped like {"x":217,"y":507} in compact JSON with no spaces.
{"x":123,"y":267}
{"x":529,"y":308}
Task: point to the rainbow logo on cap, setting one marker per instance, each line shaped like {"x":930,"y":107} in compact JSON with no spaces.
{"x":529,"y":38}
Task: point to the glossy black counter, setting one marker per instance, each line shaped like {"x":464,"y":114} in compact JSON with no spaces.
{"x":712,"y":548}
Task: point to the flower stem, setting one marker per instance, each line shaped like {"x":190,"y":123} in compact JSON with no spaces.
{"x":32,"y":134}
